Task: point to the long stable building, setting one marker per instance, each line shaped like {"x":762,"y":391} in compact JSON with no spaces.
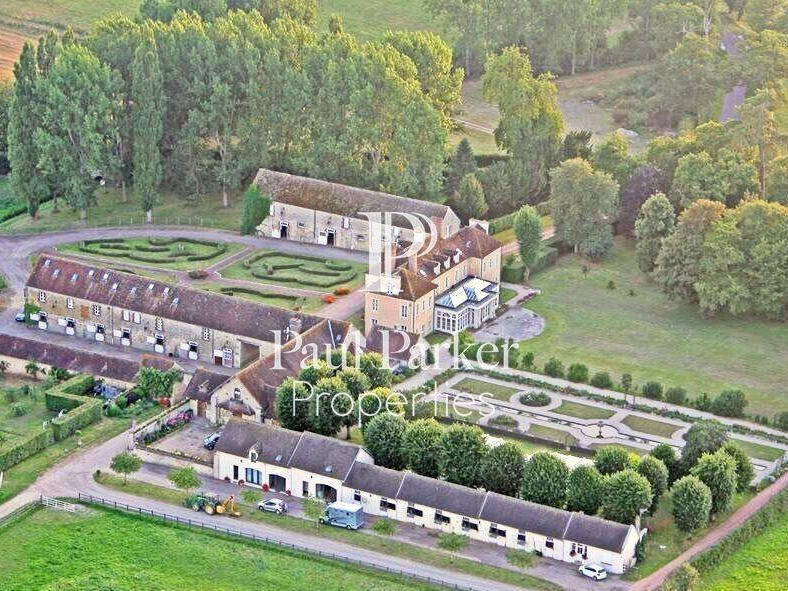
{"x":306,"y":464}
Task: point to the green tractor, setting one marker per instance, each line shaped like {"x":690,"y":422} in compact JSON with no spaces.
{"x":203,"y":501}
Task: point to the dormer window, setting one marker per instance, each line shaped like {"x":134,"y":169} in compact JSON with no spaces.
{"x":329,"y":469}
{"x":253,"y":455}
{"x":74,"y":277}
{"x":150,"y":287}
{"x":237,"y":394}
{"x":104,"y":277}
{"x":278,"y":458}
{"x":47,"y":262}
{"x":133,"y":290}
{"x":166,"y":291}
{"x":55,"y":273}
{"x":91,"y":273}
{"x":114,"y":287}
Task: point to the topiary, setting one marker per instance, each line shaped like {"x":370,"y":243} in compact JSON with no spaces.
{"x":601,"y":379}
{"x":534,"y":399}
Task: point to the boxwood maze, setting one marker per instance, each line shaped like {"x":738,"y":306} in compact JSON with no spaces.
{"x":155,"y":250}
{"x":300,"y":270}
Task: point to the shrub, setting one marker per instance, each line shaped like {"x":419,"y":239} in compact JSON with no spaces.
{"x":113,"y":410}
{"x":328,"y":298}
{"x":19,"y":409}
{"x":554,"y":368}
{"x":652,"y":390}
{"x":781,"y":421}
{"x":342,"y":290}
{"x":601,"y":379}
{"x":611,"y":459}
{"x":611,"y":285}
{"x":503,"y":420}
{"x":703,"y":402}
{"x":452,"y":542}
{"x":676,"y":395}
{"x":25,"y":448}
{"x":547,"y":257}
{"x":198,"y":274}
{"x":534,"y":399}
{"x":513,"y":272}
{"x":577,"y":373}
{"x":385,"y":527}
{"x":520,"y":558}
{"x":730,"y":403}
{"x":744,"y":470}
{"x":691,"y":504}
{"x":121,"y":401}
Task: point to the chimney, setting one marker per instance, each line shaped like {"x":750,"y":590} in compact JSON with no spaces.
{"x":438,"y":222}
{"x":413,"y":263}
{"x":294,"y":327}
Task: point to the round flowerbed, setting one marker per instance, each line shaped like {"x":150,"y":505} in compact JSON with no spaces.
{"x":534,"y":399}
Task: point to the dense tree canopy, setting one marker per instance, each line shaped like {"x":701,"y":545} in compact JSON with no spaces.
{"x":655,"y":223}
{"x":544,"y":480}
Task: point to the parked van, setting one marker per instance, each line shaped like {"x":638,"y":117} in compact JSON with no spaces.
{"x":347,"y":515}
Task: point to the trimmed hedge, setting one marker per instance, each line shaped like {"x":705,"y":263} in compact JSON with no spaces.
{"x":513,"y":272}
{"x":502,"y":223}
{"x":26,"y":448}
{"x":548,"y":256}
{"x":233,"y":290}
{"x":68,"y":396}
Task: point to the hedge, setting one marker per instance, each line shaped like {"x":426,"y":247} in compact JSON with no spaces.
{"x":69,"y":396}
{"x":26,"y":448}
{"x":502,"y":223}
{"x":548,"y":256}
{"x":513,"y":273}
{"x":759,"y":522}
{"x":233,"y":290}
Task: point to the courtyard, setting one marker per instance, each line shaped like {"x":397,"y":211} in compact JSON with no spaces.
{"x":188,"y":440}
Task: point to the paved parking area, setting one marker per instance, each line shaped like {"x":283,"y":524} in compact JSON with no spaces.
{"x":516,"y":322}
{"x":189,"y":440}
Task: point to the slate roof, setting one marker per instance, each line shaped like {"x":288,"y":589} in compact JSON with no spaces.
{"x":596,"y":532}
{"x":472,"y":290}
{"x":238,"y":437}
{"x":339,"y":199}
{"x":324,"y":455}
{"x":203,"y":384}
{"x":441,"y":495}
{"x":524,"y":515}
{"x":73,"y":360}
{"x":375,"y":479}
{"x":236,"y":407}
{"x":263,"y":377}
{"x":157,"y":362}
{"x":106,"y":286}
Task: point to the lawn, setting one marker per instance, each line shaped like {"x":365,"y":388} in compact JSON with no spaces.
{"x":110,"y":210}
{"x":13,"y":427}
{"x":760,"y":451}
{"x":664,"y":541}
{"x":654,"y":338}
{"x":268,"y":266}
{"x":370,"y":19}
{"x":761,"y":563}
{"x":552,"y":434}
{"x":179,"y":254}
{"x":582,"y":411}
{"x":650,"y":426}
{"x":103,"y":549}
{"x":478,"y":387}
{"x":304,"y":304}
{"x":361,"y":539}
{"x":507,"y":294}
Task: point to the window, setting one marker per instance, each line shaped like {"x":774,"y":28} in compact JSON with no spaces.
{"x":441,"y":519}
{"x":158,"y":324}
{"x":357,"y":496}
{"x":305,"y":488}
{"x":192,"y":347}
{"x":125,"y":315}
{"x":137,"y":318}
{"x":579,"y":549}
{"x":70,"y":303}
{"x":237,"y":394}
{"x":42,"y":296}
{"x":414,"y":512}
{"x":386,"y":505}
{"x":404,"y":310}
{"x":521,"y":538}
{"x":99,"y":329}
{"x":301,"y":225}
{"x":227,"y":355}
{"x":496,"y":531}
{"x":548,"y":543}
{"x":467,"y":524}
{"x":97,"y":310}
{"x":206,"y":334}
{"x":374,"y":322}
{"x":374,"y":304}
{"x":252,"y":476}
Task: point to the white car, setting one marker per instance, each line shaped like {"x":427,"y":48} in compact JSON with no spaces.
{"x":277,"y":506}
{"x":593,"y":571}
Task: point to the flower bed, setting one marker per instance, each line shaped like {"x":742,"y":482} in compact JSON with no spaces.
{"x":169,"y":425}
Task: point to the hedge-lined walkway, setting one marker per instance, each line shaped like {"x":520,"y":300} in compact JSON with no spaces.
{"x":654,"y":580}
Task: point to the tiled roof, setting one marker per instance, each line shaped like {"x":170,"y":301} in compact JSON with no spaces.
{"x":339,"y":199}
{"x":207,"y":309}
{"x":263,"y":377}
{"x":203,"y":384}
{"x":236,"y":407}
{"x":375,"y":479}
{"x":441,"y":495}
{"x":73,"y":360}
{"x":412,"y":286}
{"x":157,"y":362}
{"x":400,"y":343}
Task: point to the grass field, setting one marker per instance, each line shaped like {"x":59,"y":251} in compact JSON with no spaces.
{"x":14,"y":428}
{"x":295,"y":271}
{"x":760,"y":451}
{"x":369,"y":19}
{"x":761,"y":563}
{"x":172,"y":253}
{"x":552,"y":434}
{"x":305,"y":304}
{"x":111,"y":211}
{"x":652,"y":337}
{"x":664,"y":541}
{"x":477,"y":387}
{"x":650,"y":426}
{"x":102,"y":549}
{"x":582,"y":411}
{"x":362,"y":539}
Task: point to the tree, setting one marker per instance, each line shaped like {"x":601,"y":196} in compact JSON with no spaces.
{"x":624,"y":495}
{"x":584,"y":204}
{"x":421,"y":447}
{"x":383,"y":437}
{"x":148,"y":105}
{"x":577,"y":144}
{"x":729,"y":403}
{"x":745,"y":473}
{"x":758,"y":128}
{"x":255,"y":210}
{"x":330,"y":406}
{"x":781,"y":420}
{"x":601,"y":379}
{"x":612,"y":156}
{"x":184,"y":478}
{"x":125,"y":463}
{"x":697,"y":177}
{"x":32,"y":369}
{"x":647,"y":180}
{"x":584,"y":490}
{"x":372,"y":365}
{"x":462,"y":163}
{"x":677,"y":268}
{"x":718,"y":472}
{"x":527,"y":226}
{"x":676,"y":395}
{"x":462,"y":450}
{"x":502,"y":469}
{"x":691,"y":504}
{"x":703,"y":437}
{"x":155,"y":383}
{"x":655,"y":471}
{"x":655,"y":223}
{"x":544,"y":480}
{"x":6,"y":100}
{"x":531,"y":125}
{"x":27,"y":181}
{"x":462,"y":16}
{"x":765,"y":58}
{"x":554,"y":368}
{"x":667,"y":455}
{"x":577,"y":372}
{"x":71,"y":146}
{"x":469,"y":198}
{"x":652,"y":390}
{"x":292,"y":405}
{"x":611,"y":459}
{"x":376,"y":401}
{"x":777,"y":180}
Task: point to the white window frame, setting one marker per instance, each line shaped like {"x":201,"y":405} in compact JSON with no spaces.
{"x":42,"y":297}
{"x":403,"y":310}
{"x":137,"y":318}
{"x":125,"y":315}
{"x":206,"y":334}
{"x":158,"y":324}
{"x":97,"y":310}
{"x":70,"y":303}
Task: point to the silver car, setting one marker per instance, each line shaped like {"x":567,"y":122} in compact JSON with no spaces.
{"x":277,"y":506}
